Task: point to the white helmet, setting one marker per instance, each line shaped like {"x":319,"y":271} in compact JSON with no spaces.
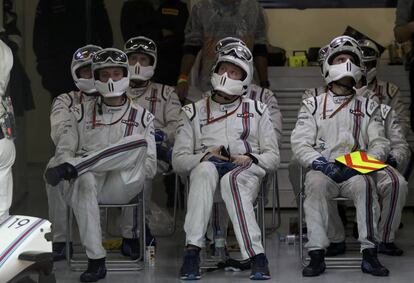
{"x":226,"y":41}
{"x":107,"y":58}
{"x":370,"y":56}
{"x":81,"y":58}
{"x":142,"y":44}
{"x":239,"y":55}
{"x":342,"y":45}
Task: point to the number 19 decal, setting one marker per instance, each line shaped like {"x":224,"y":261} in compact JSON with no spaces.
{"x":19,"y":222}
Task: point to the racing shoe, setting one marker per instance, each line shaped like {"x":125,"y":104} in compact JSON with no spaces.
{"x":59,"y":250}
{"x":370,"y":263}
{"x":260,"y":268}
{"x":130,"y":248}
{"x":335,"y":249}
{"x":96,"y":270}
{"x":190,"y":270}
{"x":317,"y":264}
{"x":389,"y":249}
{"x":64,"y":171}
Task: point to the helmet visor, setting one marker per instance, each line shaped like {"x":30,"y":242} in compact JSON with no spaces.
{"x":85,"y":53}
{"x":113,"y":55}
{"x":140,"y":44}
{"x":236,"y":50}
{"x":226,"y":41}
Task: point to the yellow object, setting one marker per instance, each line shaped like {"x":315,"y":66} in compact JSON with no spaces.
{"x":361,"y":162}
{"x":113,"y":244}
{"x":298,"y":60}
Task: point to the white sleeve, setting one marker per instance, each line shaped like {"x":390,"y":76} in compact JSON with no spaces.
{"x":184,"y":159}
{"x":268,"y":158}
{"x":275,"y":115}
{"x":378,"y":145}
{"x":402,"y":111}
{"x":151,"y":160}
{"x":303,"y":138}
{"x":172,"y":115}
{"x":68,"y":141}
{"x":60,"y":112}
{"x":400,"y":149}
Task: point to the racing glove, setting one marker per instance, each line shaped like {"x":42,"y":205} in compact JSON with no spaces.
{"x":160,"y":136}
{"x":222,"y":166}
{"x":348,"y":173}
{"x":391,"y":161}
{"x":330,"y":169}
{"x":164,"y":153}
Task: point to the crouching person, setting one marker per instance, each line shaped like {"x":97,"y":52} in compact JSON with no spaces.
{"x":113,"y":143}
{"x":225,"y":141}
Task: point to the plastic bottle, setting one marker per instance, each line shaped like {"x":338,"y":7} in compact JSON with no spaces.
{"x":220,"y":246}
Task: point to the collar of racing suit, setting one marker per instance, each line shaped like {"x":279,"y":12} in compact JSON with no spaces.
{"x":138,"y":91}
{"x":224,"y":107}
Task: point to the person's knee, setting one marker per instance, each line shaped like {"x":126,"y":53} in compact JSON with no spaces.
{"x":204,"y":170}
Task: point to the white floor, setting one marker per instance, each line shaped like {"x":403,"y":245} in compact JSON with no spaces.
{"x":284,"y":259}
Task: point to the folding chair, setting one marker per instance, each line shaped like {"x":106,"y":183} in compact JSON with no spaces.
{"x":114,"y":261}
{"x":331,"y":262}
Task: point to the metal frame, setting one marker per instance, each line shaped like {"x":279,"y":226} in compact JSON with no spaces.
{"x":111,"y":264}
{"x":331,"y":262}
{"x":275,"y":206}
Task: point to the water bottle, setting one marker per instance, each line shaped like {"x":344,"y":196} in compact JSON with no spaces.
{"x":220,"y":246}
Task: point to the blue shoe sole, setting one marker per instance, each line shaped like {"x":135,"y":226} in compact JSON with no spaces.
{"x":190,"y":277}
{"x":259,"y":276}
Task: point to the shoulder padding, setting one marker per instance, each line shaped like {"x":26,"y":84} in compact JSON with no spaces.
{"x":392,"y":90}
{"x":189,"y":110}
{"x":260,"y":107}
{"x":370,"y":106}
{"x":385,"y":110}
{"x":311,"y":103}
{"x":78,"y":111}
{"x":146,"y":118}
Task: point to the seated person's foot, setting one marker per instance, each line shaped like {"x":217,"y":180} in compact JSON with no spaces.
{"x":59,"y":250}
{"x":260,"y":267}
{"x":389,"y":249}
{"x":149,"y":238}
{"x":130,"y":247}
{"x":96,"y":270}
{"x":190,"y":270}
{"x":335,"y":249}
{"x":370,"y":263}
{"x":317,"y":264}
{"x":64,"y":171}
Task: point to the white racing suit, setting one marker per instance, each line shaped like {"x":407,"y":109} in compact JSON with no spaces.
{"x":294,"y":166}
{"x":114,"y":151}
{"x":58,"y":115}
{"x":389,"y":94}
{"x":162,"y":101}
{"x":357,"y":126}
{"x":7,"y":148}
{"x":246,"y":130}
{"x":219,"y":219}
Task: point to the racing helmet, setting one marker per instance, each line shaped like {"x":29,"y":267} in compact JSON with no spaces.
{"x":370,"y":56}
{"x":81,"y":58}
{"x":141,"y":44}
{"x":239,"y":55}
{"x":342,"y":45}
{"x":107,"y":58}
